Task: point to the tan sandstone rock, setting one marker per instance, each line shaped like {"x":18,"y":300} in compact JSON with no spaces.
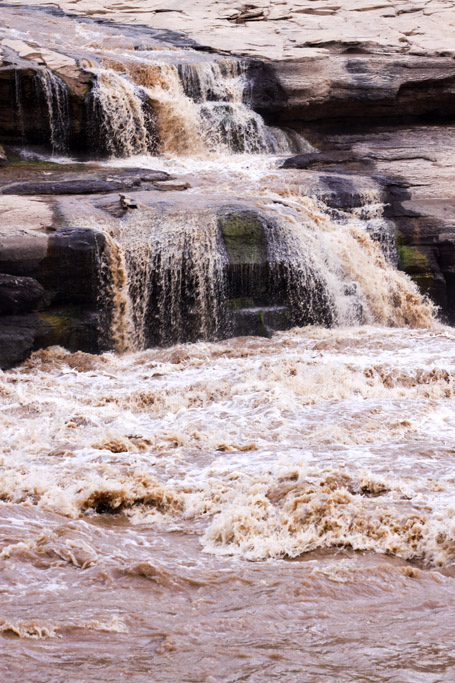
{"x":284,"y":30}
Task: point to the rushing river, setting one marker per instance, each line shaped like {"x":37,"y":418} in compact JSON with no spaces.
{"x":243,"y":510}
{"x":255,"y":509}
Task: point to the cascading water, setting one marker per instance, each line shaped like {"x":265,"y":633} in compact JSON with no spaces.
{"x":190,"y":108}
{"x":56,"y":97}
{"x":167,"y":281}
{"x":227,"y":122}
{"x":183,"y":274}
{"x":117,"y":115}
{"x":342,"y":266}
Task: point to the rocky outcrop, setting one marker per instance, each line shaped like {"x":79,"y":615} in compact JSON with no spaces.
{"x":21,"y":334}
{"x":339,"y":86}
{"x":70,"y":270}
{"x":49,"y":282}
{"x":255,"y":306}
{"x":17,"y":338}
{"x":19,"y":294}
{"x":38,"y":105}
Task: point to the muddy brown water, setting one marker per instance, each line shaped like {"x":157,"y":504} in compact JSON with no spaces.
{"x":244,"y":510}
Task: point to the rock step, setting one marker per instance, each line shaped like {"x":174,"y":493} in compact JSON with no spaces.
{"x":261,"y":321}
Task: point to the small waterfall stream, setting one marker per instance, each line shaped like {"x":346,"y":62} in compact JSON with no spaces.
{"x":18,"y":105}
{"x":56,"y":96}
{"x":167,"y":281}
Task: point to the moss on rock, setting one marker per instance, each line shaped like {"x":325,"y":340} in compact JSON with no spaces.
{"x":241,"y":302}
{"x":412,"y":260}
{"x":243,"y":235}
{"x":58,"y":324}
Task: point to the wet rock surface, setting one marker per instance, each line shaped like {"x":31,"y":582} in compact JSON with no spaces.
{"x":70,"y":327}
{"x":17,"y":338}
{"x":88,"y":182}
{"x":49,"y":281}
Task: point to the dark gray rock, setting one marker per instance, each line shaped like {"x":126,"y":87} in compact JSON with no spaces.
{"x":71,"y":269}
{"x":346,"y":86}
{"x":74,"y":328}
{"x":65,"y":288}
{"x":244,"y":234}
{"x":17,"y":338}
{"x":21,"y":253}
{"x":19,"y":294}
{"x":261,"y":322}
{"x":341,"y":191}
{"x":91,"y":182}
{"x":49,"y":187}
{"x":266,"y":94}
{"x":71,"y":327}
{"x":317,"y":159}
{"x":24,"y":110}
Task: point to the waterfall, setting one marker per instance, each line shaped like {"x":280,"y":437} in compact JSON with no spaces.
{"x":145,"y":105}
{"x":172,"y":271}
{"x":56,"y":95}
{"x":227,"y":122}
{"x":18,"y":106}
{"x":165,"y":279}
{"x":116,"y":112}
{"x":115,"y":296}
{"x":341,"y":272}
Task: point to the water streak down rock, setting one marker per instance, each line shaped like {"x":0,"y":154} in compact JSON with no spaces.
{"x":56,"y":96}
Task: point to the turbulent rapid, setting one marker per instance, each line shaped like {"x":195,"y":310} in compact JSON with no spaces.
{"x":159,"y":474}
{"x":270,"y":442}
